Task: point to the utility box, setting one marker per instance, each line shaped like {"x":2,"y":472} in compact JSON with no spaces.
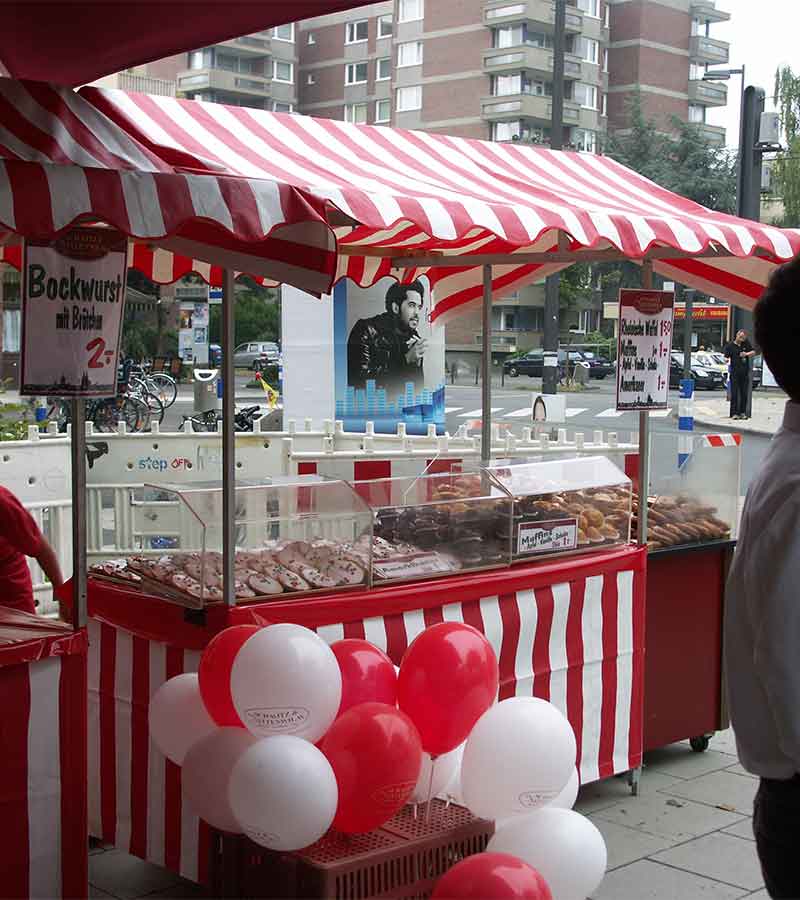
{"x":205,"y":390}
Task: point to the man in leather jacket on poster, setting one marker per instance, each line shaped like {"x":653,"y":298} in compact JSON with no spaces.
{"x":388,"y":347}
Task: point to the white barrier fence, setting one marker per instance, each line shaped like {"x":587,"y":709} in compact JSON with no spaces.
{"x":119,"y":464}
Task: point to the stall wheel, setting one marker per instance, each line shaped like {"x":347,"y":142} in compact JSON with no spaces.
{"x":634,"y":777}
{"x":700,"y":744}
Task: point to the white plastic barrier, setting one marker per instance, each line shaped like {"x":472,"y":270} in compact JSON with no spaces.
{"x":119,"y":464}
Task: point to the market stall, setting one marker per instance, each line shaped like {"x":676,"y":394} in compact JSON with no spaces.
{"x":306,"y":202}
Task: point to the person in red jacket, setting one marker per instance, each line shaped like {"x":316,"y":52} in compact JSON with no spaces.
{"x":20,"y":537}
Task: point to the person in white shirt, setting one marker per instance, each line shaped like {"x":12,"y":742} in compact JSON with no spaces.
{"x":762,"y":619}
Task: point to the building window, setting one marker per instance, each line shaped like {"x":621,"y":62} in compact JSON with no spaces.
{"x":585,"y":95}
{"x":199,"y":59}
{"x":11,"y":330}
{"x":590,"y":7}
{"x":311,"y":78}
{"x":411,"y":10}
{"x":505,"y":131}
{"x":383,"y":110}
{"x":604,"y":105}
{"x":585,"y":140}
{"x":607,"y":15}
{"x":384,"y":26}
{"x":282,"y":71}
{"x":538,"y":39}
{"x":508,"y":36}
{"x":696,"y":72}
{"x":409,"y":98}
{"x":588,"y":49}
{"x":697,"y":114}
{"x":505,"y":85}
{"x":409,"y":54}
{"x":277,"y":106}
{"x":605,"y":59}
{"x":311,"y":39}
{"x":384,"y":69}
{"x":356,"y":73}
{"x":356,"y":32}
{"x":284,"y":32}
{"x":356,"y":113}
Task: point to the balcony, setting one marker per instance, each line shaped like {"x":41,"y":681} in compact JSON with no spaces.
{"x":207,"y":79}
{"x":529,"y":58}
{"x":248,"y":45}
{"x":706,"y":11}
{"x":713,"y":133}
{"x":527,"y":106}
{"x":144,"y":84}
{"x":541,"y":12}
{"x":708,"y":93}
{"x":704,"y":49}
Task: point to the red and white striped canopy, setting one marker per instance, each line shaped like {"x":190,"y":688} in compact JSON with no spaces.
{"x":229,"y":185}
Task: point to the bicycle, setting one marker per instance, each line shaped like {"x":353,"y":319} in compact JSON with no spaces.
{"x":164,"y":386}
{"x":244,"y":420}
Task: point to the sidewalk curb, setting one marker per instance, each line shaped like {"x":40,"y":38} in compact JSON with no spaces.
{"x":740,"y":426}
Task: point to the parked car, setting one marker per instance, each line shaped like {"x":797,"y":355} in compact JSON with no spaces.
{"x":532,"y":364}
{"x":256,"y":355}
{"x":704,"y":379}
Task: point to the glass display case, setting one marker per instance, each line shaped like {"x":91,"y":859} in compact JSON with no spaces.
{"x":293,"y":536}
{"x":436,"y":524}
{"x":693,"y":496}
{"x":563,"y":505}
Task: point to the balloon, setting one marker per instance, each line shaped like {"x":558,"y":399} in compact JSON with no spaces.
{"x":569,"y":793}
{"x":563,"y":845}
{"x":215,"y":673}
{"x":283,"y":793}
{"x":491,"y":876}
{"x":367,"y":674}
{"x":376,"y":754}
{"x":519,"y":757}
{"x":444,"y":770}
{"x":206,"y":775}
{"x":448,"y":679}
{"x":285,"y":680}
{"x":178,"y":718}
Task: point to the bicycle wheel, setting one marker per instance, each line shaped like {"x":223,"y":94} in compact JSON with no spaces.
{"x":60,"y":413}
{"x":155,"y":405}
{"x":164,"y":387}
{"x":135,"y":413}
{"x":206,"y":421}
{"x":104,"y":415}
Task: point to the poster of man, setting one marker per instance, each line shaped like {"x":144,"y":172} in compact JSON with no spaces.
{"x":388,"y":348}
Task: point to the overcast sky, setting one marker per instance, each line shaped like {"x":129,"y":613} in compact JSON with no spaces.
{"x":763,"y":35}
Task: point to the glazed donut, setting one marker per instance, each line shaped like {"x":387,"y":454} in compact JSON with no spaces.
{"x":263,"y":584}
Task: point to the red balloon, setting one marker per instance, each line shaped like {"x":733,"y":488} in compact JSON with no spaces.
{"x":491,"y":876}
{"x":214,"y":673}
{"x":375,"y":753}
{"x":368,"y":674}
{"x":448,"y":679}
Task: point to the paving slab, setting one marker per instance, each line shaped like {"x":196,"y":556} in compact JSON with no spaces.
{"x":648,"y":880}
{"x":601,"y":794}
{"x":680,"y":761}
{"x":722,"y":857}
{"x":743,"y":829}
{"x":674,"y":818}
{"x":127,"y":877}
{"x":626,"y":845}
{"x":759,"y":895}
{"x":724,"y":742}
{"x":739,"y":769}
{"x":185,"y":890}
{"x":723,"y":789}
{"x":95,"y":892}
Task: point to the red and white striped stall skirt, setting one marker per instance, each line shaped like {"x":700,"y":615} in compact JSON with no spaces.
{"x":570,"y":632}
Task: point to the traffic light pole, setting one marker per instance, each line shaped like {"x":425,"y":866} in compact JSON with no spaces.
{"x":552,"y":285}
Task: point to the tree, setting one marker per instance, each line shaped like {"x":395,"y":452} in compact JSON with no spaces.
{"x":257,"y":318}
{"x":786,"y":169}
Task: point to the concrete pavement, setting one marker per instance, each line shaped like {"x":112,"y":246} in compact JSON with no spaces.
{"x":766,"y":419}
{"x":686,"y":836}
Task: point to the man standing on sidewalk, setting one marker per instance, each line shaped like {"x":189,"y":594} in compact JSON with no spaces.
{"x":762,"y":620}
{"x":739,"y":351}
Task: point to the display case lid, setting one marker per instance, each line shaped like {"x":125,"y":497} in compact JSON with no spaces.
{"x":527,"y":477}
{"x":431,"y":488}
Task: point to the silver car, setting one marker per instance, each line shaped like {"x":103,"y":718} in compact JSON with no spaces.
{"x":256,"y":355}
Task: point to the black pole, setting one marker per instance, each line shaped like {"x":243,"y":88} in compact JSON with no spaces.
{"x":552,"y":285}
{"x":688,"y":296}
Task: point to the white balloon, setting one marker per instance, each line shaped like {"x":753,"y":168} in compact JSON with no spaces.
{"x":206,"y":775}
{"x":283,"y":793}
{"x":569,"y":794}
{"x":286,"y":680}
{"x":563,"y":845}
{"x":443,"y":768}
{"x":178,"y":718}
{"x":453,"y":790}
{"x":519,"y":756}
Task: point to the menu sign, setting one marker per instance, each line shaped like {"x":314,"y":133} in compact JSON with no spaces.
{"x":74,"y":294}
{"x":643,"y":351}
{"x":547,"y":537}
{"x":412,"y":566}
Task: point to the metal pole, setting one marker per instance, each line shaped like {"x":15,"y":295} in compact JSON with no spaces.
{"x":688,"y":296}
{"x":553,"y":282}
{"x":486,"y":366}
{"x":228,"y":438}
{"x":78,"y":459}
{"x":644,"y":439}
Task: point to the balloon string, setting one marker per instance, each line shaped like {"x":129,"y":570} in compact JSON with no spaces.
{"x":430,"y":791}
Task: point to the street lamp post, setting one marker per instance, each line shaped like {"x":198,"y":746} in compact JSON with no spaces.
{"x":725,"y":75}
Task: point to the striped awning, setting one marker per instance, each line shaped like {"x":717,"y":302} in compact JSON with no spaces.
{"x":308,"y":201}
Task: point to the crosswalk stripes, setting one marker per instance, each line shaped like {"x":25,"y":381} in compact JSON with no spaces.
{"x":519,"y":413}
{"x":660,"y":413}
{"x":452,"y":409}
{"x":609,"y":413}
{"x":476,"y":413}
{"x":576,"y":411}
{"x":524,"y":412}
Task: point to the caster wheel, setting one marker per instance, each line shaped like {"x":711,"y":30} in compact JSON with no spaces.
{"x":699,"y":744}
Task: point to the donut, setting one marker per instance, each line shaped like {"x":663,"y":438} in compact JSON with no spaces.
{"x":263,"y":584}
{"x":183,"y":582}
{"x":243,"y":591}
{"x":194,"y":568}
{"x":292,"y":582}
{"x":315,"y":578}
{"x":344,"y":571}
